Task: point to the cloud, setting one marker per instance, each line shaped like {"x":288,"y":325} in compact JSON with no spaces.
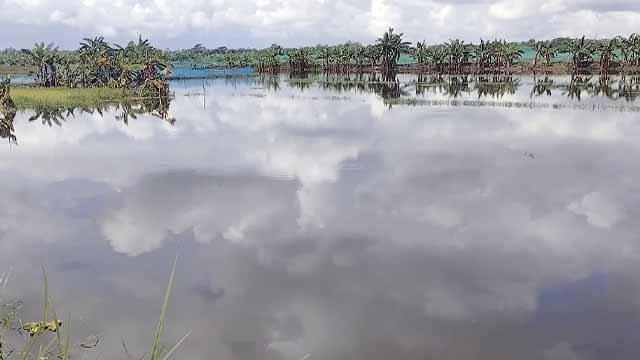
{"x":228,"y":207}
{"x":258,"y":23}
{"x":600,"y":210}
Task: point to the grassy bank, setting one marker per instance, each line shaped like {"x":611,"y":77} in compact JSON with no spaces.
{"x":31,"y":97}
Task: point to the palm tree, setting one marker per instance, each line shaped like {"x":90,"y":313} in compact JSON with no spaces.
{"x":506,"y":54}
{"x":325,"y":54}
{"x":360,"y":57}
{"x":7,"y":111}
{"x":458,"y":53}
{"x":512,"y":53}
{"x":438,"y":56}
{"x":96,"y":61}
{"x":422,"y":53}
{"x":391,"y":47}
{"x":548,"y":53}
{"x":68,"y":69}
{"x":544,"y":50}
{"x":5,"y":95}
{"x":300,"y":59}
{"x":607,"y":53}
{"x":629,"y":48}
{"x":372,"y":54}
{"x":581,"y":53}
{"x":44,"y":57}
{"x":482,"y":54}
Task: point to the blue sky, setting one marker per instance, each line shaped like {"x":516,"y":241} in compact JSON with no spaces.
{"x":258,"y":23}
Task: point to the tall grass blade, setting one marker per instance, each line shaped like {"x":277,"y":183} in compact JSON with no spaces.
{"x":64,"y":353}
{"x":27,"y":348}
{"x":163,"y":312}
{"x":45,"y":309}
{"x":126,"y":351}
{"x":176,"y":346}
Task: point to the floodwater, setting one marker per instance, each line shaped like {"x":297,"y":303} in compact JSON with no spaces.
{"x":318,"y":219}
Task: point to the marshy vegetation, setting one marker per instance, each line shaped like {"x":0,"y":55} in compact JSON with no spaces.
{"x":50,"y":336}
{"x":94,"y":74}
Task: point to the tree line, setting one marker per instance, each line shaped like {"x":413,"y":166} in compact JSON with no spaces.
{"x":453,"y":56}
{"x":138,"y":64}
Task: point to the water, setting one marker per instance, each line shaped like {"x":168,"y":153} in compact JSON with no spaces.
{"x":323,"y":219}
{"x":188,"y":73}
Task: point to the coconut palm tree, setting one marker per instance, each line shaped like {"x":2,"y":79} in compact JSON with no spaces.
{"x":391,"y":47}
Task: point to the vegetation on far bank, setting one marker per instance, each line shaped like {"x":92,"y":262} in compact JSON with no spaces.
{"x":97,"y":63}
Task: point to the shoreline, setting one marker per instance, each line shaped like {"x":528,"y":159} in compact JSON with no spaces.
{"x":555,"y":69}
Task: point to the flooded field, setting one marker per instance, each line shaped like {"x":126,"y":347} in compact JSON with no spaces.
{"x":336,"y":218}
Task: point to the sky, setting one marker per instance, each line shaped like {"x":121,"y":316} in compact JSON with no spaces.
{"x":259,"y":23}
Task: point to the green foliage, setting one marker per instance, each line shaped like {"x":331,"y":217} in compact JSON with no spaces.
{"x":156,"y":353}
{"x":390,"y":46}
{"x":138,"y":65}
{"x":582,"y":52}
{"x":99,"y":64}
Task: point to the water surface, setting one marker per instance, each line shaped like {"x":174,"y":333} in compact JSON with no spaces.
{"x":330,"y":218}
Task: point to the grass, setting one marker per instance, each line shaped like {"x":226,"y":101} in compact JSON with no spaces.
{"x":48,"y":342}
{"x":156,"y":352}
{"x":31,"y":97}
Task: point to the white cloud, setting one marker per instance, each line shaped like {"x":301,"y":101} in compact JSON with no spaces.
{"x":600,"y":210}
{"x":259,"y":23}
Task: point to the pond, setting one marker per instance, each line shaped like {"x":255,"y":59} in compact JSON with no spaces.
{"x":333,"y":218}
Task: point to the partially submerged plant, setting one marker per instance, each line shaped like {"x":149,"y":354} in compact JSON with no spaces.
{"x":46,"y":340}
{"x":156,"y":352}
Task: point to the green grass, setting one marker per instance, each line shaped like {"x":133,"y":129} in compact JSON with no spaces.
{"x":156,"y":352}
{"x":31,"y":97}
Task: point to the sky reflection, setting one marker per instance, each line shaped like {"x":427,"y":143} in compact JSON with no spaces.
{"x":333,"y":226}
